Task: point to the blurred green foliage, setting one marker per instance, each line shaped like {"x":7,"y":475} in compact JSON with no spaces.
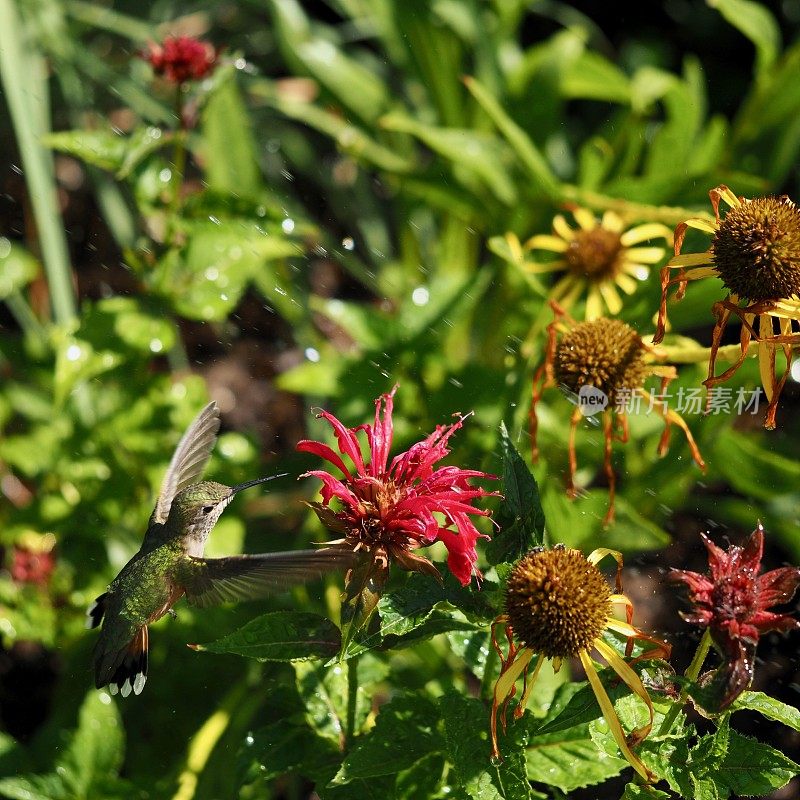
{"x":388,"y":141}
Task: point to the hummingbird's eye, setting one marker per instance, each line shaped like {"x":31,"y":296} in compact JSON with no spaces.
{"x":208,"y":509}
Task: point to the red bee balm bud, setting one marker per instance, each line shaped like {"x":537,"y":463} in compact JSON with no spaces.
{"x":181,"y":59}
{"x":734,"y":602}
{"x":390,"y":508}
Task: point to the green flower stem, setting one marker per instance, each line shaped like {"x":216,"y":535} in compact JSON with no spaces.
{"x":668,"y":215}
{"x":352,"y":697}
{"x":692,"y":354}
{"x":178,"y":154}
{"x":27,"y":320}
{"x":692,"y":671}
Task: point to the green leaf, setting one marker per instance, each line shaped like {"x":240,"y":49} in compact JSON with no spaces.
{"x":635,"y":791}
{"x":520,"y":516}
{"x":569,"y":759}
{"x":477,"y":157}
{"x":753,"y":768}
{"x":138,"y":326}
{"x":17,"y":267}
{"x":527,"y":152}
{"x":466,"y":728}
{"x":753,"y":467}
{"x":405,"y":731}
{"x":422,"y":779}
{"x":96,"y":751}
{"x":107,"y":149}
{"x":229,"y":147}
{"x":280,"y":636}
{"x":77,"y":362}
{"x":591,"y":76}
{"x":768,"y":707}
{"x":757,"y":24}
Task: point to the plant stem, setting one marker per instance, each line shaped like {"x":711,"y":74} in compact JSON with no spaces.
{"x":692,"y":671}
{"x":692,"y":354}
{"x":669,"y":215}
{"x":352,"y":697}
{"x":179,"y":153}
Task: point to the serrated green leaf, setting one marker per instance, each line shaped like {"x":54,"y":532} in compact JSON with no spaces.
{"x":768,"y":707}
{"x":422,"y":779}
{"x":520,"y":515}
{"x":405,"y":731}
{"x":281,"y":636}
{"x":467,"y":745}
{"x":635,"y":791}
{"x":752,"y":768}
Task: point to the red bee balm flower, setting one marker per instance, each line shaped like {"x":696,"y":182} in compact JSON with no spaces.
{"x":733,"y":603}
{"x":389,"y":509}
{"x":182,"y":58}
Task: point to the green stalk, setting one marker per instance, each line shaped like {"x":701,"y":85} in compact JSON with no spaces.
{"x":22,"y":73}
{"x":179,"y":154}
{"x":352,"y":697}
{"x":692,"y":671}
{"x":27,"y":320}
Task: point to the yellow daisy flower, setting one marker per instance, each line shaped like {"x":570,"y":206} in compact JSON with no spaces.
{"x":598,"y":257}
{"x":608,"y":359}
{"x":755,"y":251}
{"x":558,"y":605}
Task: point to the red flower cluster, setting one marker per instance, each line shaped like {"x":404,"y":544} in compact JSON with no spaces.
{"x":182,"y":58}
{"x":388,"y":509}
{"x":29,"y":566}
{"x":733,"y":601}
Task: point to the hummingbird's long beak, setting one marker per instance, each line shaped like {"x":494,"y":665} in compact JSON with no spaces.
{"x":235,"y":489}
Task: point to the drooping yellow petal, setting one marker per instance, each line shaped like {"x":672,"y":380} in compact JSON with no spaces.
{"x":505,"y":683}
{"x":646,"y":255}
{"x":523,"y":701}
{"x":544,"y":241}
{"x":632,"y":680}
{"x":597,"y":555}
{"x":700,"y":272}
{"x":766,"y":358}
{"x":610,"y":716}
{"x":623,"y":628}
{"x":691,"y":259}
{"x":728,"y":196}
{"x":585,"y":219}
{"x":641,"y":233}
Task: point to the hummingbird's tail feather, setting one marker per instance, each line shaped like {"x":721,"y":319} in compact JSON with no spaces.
{"x":129,"y":666}
{"x":95,"y":612}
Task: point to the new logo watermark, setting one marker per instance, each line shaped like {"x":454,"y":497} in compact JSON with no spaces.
{"x":591,"y":400}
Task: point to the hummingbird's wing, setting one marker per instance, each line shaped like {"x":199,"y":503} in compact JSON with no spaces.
{"x":209,"y":581}
{"x":189,"y":460}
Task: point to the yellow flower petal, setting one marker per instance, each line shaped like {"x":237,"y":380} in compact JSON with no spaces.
{"x":691,"y":259}
{"x":766,"y":358}
{"x":561,"y":227}
{"x":612,"y":221}
{"x":639,"y":271}
{"x":597,"y":555}
{"x":544,"y":241}
{"x":728,"y":196}
{"x":701,"y":225}
{"x":646,"y":255}
{"x":610,"y":716}
{"x":530,"y":683}
{"x":594,"y":303}
{"x":626,"y":283}
{"x":611,"y":296}
{"x":534,"y":268}
{"x":641,"y":233}
{"x":585,"y":219}
{"x":505,"y":683}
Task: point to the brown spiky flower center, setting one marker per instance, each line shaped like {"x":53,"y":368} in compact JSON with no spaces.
{"x":756,"y":249}
{"x":604,"y":353}
{"x":557,"y":602}
{"x":594,"y":254}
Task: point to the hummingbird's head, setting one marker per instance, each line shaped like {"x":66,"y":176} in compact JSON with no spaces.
{"x":196,"y":509}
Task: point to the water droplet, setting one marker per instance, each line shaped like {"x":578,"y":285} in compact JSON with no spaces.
{"x":5,"y":248}
{"x":212,"y":273}
{"x":349,"y":244}
{"x":312,"y":354}
{"x":156,"y":345}
{"x":420,"y":296}
{"x":74,"y":352}
{"x":165,"y":175}
{"x":249,"y":740}
{"x":496,"y":761}
{"x":240,"y":63}
{"x":213,"y":219}
{"x":287,"y":226}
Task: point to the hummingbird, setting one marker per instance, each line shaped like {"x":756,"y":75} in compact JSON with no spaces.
{"x":170,"y":563}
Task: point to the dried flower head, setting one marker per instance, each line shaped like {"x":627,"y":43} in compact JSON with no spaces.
{"x":180,"y":59}
{"x":755,"y":251}
{"x":599,"y":257}
{"x":733,"y":602}
{"x":558,"y":605}
{"x":389,"y":509}
{"x":608,"y":358}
